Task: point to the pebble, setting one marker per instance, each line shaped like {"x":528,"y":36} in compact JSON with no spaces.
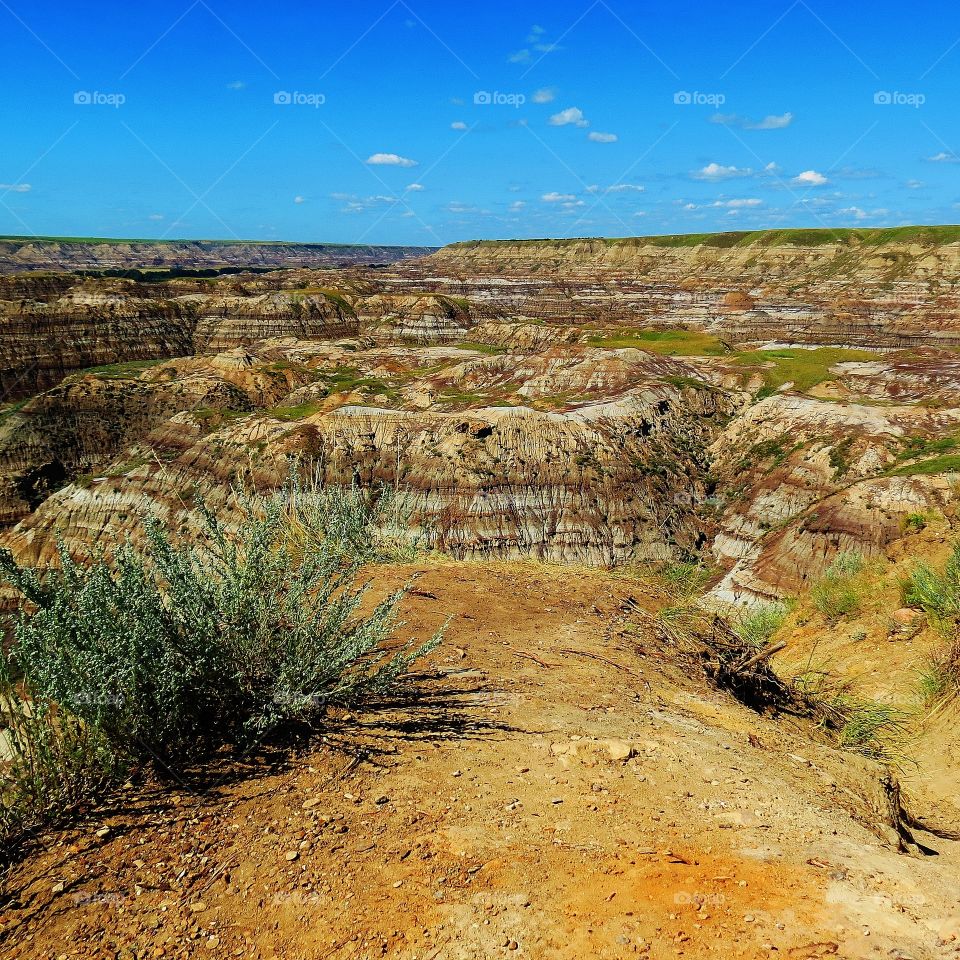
{"x":292,"y":855}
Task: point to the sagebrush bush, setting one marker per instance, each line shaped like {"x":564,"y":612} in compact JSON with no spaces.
{"x":171,"y":650}
{"x":839,"y":593}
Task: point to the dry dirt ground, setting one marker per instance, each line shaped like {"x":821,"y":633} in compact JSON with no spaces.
{"x":561,"y":788}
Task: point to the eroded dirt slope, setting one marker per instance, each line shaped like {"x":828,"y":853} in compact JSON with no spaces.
{"x":566,"y":788}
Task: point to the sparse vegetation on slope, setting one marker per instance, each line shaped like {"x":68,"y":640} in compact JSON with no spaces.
{"x":937,"y":593}
{"x":839,"y":592}
{"x":175,"y":650}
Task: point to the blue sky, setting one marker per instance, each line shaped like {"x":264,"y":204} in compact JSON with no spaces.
{"x":424,"y":122}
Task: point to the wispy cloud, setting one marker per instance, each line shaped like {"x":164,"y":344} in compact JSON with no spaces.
{"x":771,"y":122}
{"x":545,"y":95}
{"x":744,"y":203}
{"x":458,"y":125}
{"x":460,"y":208}
{"x":390,"y":160}
{"x":538,"y":43}
{"x":598,"y":137}
{"x":355,"y":204}
{"x":558,"y":197}
{"x":617,"y":188}
{"x":15,"y":187}
{"x":415,"y":187}
{"x":944,"y":157}
{"x":236,"y":85}
{"x":299,"y":199}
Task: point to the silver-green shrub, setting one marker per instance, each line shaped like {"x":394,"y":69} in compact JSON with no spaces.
{"x":172,"y":649}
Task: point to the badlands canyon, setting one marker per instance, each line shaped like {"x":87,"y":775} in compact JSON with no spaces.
{"x":578,"y":426}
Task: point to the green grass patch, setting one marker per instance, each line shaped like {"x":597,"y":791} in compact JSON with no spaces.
{"x":129,"y":370}
{"x":491,"y":349}
{"x":927,"y":468}
{"x":839,"y":592}
{"x":667,"y":343}
{"x":299,"y":412}
{"x":805,"y":369}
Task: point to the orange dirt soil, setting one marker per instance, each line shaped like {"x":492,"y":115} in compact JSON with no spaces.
{"x":563,"y":788}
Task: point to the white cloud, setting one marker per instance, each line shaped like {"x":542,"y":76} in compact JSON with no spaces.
{"x":546,"y":95}
{"x":521,"y":56}
{"x":731,"y":205}
{"x":558,"y":197}
{"x":856,"y":212}
{"x":15,"y":187}
{"x":771,"y":168}
{"x":716,"y":171}
{"x":770,"y":122}
{"x":944,"y":157}
{"x":597,"y":137}
{"x":774,"y":122}
{"x":415,"y":187}
{"x":390,"y":160}
{"x":810,"y":178}
{"x":914,"y":184}
{"x":572,"y":115}
{"x":625,"y":188}
{"x":236,"y":85}
{"x":518,"y":205}
{"x":458,"y":125}
{"x":457,"y":206}
{"x":156,"y":216}
{"x":355,"y":204}
{"x":299,"y":199}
